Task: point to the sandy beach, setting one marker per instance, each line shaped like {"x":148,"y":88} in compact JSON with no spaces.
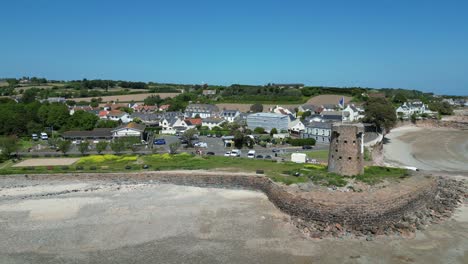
{"x":116,"y":222}
{"x":432,"y":149}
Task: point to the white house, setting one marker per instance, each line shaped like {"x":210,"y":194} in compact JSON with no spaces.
{"x":409,"y":108}
{"x":296,"y":126}
{"x":230,"y":115}
{"x":116,"y":115}
{"x":173,"y":125}
{"x":202,"y":110}
{"x":129,"y":130}
{"x":212,"y":122}
{"x":282,"y":111}
{"x":351,"y":113}
{"x":320,"y":131}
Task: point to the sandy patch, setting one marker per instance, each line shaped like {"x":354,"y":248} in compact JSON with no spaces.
{"x":128,"y":97}
{"x":435,"y":149}
{"x":51,"y":209}
{"x":41,"y":189}
{"x":47,"y":162}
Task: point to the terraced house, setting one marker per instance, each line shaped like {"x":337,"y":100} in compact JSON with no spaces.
{"x":201,"y":110}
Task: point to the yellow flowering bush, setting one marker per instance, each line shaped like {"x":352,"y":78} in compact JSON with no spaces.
{"x":315,"y":166}
{"x":105,"y":158}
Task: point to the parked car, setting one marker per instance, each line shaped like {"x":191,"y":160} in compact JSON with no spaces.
{"x":251,"y":154}
{"x":236,"y":153}
{"x":35,"y":136}
{"x":210,"y":153}
{"x":268,"y":157}
{"x":306,"y":147}
{"x":209,"y":135}
{"x":275,"y":150}
{"x":183,"y":141}
{"x":201,"y":145}
{"x":44,"y":136}
{"x":227,"y":154}
{"x":159,"y":141}
{"x":259,"y":157}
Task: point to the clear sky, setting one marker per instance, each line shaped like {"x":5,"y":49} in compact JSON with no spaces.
{"x":370,"y":43}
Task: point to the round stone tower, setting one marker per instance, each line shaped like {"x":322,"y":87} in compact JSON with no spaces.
{"x":346,"y":156}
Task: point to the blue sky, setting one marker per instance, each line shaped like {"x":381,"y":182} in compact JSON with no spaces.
{"x":401,"y":44}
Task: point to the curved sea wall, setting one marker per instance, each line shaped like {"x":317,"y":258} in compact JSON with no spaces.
{"x":414,"y":203}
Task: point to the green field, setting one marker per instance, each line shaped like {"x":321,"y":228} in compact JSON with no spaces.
{"x":285,"y":172}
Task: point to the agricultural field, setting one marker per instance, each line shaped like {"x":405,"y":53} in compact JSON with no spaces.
{"x":328,"y":99}
{"x":128,"y":97}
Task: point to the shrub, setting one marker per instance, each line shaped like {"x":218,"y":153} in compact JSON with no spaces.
{"x":79,"y":168}
{"x":128,"y":167}
{"x":65,"y":168}
{"x":302,"y":141}
{"x":92,"y":167}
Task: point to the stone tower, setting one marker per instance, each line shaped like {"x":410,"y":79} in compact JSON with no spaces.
{"x":346,"y":156}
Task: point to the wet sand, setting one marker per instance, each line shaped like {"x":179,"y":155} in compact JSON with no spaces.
{"x":433,"y":149}
{"x":103,"y":222}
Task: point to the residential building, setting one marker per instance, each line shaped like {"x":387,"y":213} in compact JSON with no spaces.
{"x":164,"y":107}
{"x":61,"y":100}
{"x":145,"y":108}
{"x":320,"y":131}
{"x":129,"y":130}
{"x":410,"y":108}
{"x":209,"y":92}
{"x":149,"y":119}
{"x":283,"y":111}
{"x":202,"y":110}
{"x":351,"y":113}
{"x":268,"y":121}
{"x":309,"y":108}
{"x":296,"y":126}
{"x":331,"y":116}
{"x":230,"y":115}
{"x":173,"y":125}
{"x":213,"y":122}
{"x":115,"y":115}
{"x":193,"y":121}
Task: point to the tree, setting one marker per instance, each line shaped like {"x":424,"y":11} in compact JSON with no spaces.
{"x":443,"y":108}
{"x":399,"y":98}
{"x":305,"y":115}
{"x":380,"y":112}
{"x":273,"y":132}
{"x":29,"y":96}
{"x":259,"y":130}
{"x":82,"y":120}
{"x":8,"y":145}
{"x":118,"y":145}
{"x":64,"y":146}
{"x":249,"y":142}
{"x":256,"y":108}
{"x":101,"y":146}
{"x":83,"y":147}
{"x":173,"y":147}
{"x":107,"y":124}
{"x":238,"y":139}
{"x":189,"y":135}
{"x":153,"y":100}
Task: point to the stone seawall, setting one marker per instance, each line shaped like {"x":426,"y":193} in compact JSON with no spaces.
{"x":320,"y":213}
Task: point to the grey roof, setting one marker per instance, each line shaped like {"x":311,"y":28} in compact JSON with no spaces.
{"x":213,"y":120}
{"x":96,"y":133}
{"x":325,"y":117}
{"x":309,"y":107}
{"x":201,"y":108}
{"x":326,"y":125}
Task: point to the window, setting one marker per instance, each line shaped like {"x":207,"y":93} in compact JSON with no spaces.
{"x":346,"y":141}
{"x":336,"y":150}
{"x":339,"y":158}
{"x":349,"y":158}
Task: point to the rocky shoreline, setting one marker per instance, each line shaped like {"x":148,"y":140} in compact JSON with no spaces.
{"x":401,"y":210}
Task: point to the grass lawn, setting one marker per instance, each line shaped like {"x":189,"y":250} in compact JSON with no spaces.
{"x":318,"y":155}
{"x":280,"y":172}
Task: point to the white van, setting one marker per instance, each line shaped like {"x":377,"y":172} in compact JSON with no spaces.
{"x":35,"y":137}
{"x":44,"y":136}
{"x":251,"y":154}
{"x":236,"y":153}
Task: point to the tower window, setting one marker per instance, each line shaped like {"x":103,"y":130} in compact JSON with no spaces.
{"x":349,"y":158}
{"x":339,"y":158}
{"x":346,"y":141}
